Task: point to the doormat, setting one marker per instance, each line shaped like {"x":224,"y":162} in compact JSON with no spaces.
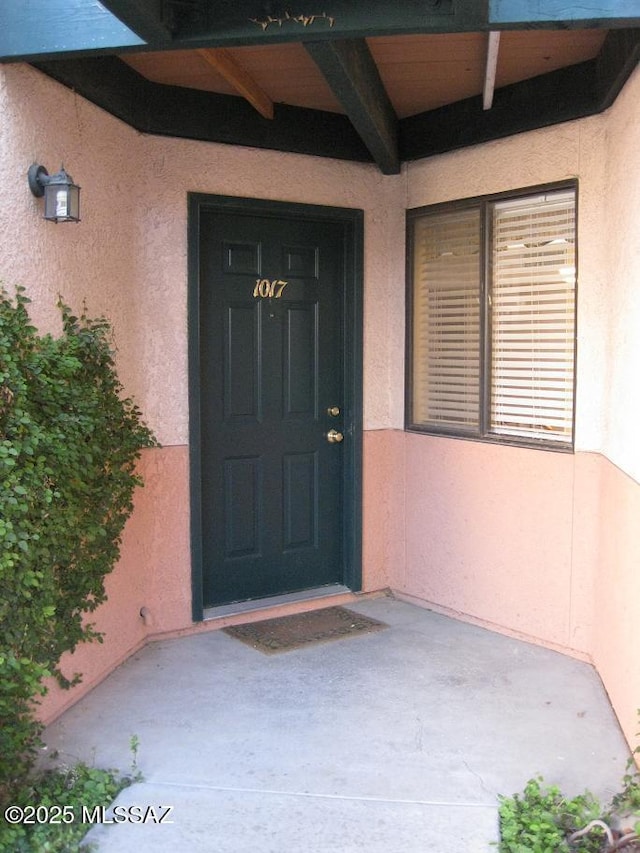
{"x":304,"y":629}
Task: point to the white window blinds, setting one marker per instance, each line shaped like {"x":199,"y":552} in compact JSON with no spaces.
{"x":532,"y":311}
{"x":493,"y":301}
{"x":446,"y":325}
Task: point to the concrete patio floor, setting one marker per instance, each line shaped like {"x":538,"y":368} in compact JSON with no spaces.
{"x":393,"y":742}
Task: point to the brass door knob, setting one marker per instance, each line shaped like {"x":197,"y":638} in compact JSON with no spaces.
{"x":334,"y":437}
{"x":333,"y":411}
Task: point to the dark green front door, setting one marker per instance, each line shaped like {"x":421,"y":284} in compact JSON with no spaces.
{"x":271,"y":357}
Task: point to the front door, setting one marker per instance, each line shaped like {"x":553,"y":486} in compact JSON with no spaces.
{"x":275,"y":423}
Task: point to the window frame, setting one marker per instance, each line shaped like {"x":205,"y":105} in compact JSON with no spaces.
{"x":483,"y":434}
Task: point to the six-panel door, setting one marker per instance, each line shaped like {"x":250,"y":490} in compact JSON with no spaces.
{"x":271,"y":348}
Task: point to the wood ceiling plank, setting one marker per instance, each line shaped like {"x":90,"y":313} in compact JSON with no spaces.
{"x":178,"y":68}
{"x":285,"y":72}
{"x":426,"y":72}
{"x":545,"y":100}
{"x":419,"y":72}
{"x":289,"y":75}
{"x":528,"y":54}
{"x":234,"y":73}
{"x":207,"y":116}
{"x":570,"y":93}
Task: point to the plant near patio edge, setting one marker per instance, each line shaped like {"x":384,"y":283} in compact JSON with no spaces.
{"x":543,"y":820}
{"x":540,"y":820}
{"x":69,"y":443}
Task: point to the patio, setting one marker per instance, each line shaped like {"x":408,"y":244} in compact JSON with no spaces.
{"x":398,"y":740}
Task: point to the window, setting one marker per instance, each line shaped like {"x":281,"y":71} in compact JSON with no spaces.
{"x":491,"y":318}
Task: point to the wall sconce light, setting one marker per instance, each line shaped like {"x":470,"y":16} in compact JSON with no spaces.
{"x":61,"y":195}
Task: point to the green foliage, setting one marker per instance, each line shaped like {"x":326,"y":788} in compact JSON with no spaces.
{"x":627,"y":801}
{"x":56,"y":806}
{"x":69,"y":442}
{"x":540,"y":820}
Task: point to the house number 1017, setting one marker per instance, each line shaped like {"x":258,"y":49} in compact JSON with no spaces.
{"x":266,"y":289}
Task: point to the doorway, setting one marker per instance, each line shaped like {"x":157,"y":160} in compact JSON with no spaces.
{"x":275,"y":320}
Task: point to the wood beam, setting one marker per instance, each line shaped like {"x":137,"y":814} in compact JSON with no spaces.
{"x":542,"y":101}
{"x":143,"y":17}
{"x":244,"y":22}
{"x":49,"y":28}
{"x":570,"y":93}
{"x":618,"y":57}
{"x":238,"y":77}
{"x":223,"y":23}
{"x":207,"y":116}
{"x":493,"y":49}
{"x":351,"y":72}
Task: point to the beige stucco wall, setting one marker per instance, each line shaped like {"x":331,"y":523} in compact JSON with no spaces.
{"x":539,"y":544}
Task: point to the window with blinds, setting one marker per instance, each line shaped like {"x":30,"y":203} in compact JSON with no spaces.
{"x":492,"y":318}
{"x":446,"y":354}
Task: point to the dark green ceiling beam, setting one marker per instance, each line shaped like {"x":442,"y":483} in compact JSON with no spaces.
{"x":146,"y":18}
{"x":563,"y":95}
{"x":30,"y":29}
{"x":569,"y":93}
{"x":549,"y":99}
{"x":353,"y":77}
{"x":244,"y":22}
{"x":194,"y":114}
{"x":618,"y":57}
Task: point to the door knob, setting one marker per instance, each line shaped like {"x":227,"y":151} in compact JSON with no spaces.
{"x":334,"y":437}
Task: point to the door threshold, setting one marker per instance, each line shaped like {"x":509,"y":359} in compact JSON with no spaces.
{"x":239,"y":607}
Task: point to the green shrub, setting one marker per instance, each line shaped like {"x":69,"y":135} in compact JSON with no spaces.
{"x":69,"y":442}
{"x":540,"y":820}
{"x":63,"y":799}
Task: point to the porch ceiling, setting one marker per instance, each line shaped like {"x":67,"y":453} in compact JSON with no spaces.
{"x":364,"y":81}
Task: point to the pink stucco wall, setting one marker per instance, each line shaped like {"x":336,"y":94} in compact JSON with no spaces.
{"x":127,"y":259}
{"x":153,"y":577}
{"x":615,"y":650}
{"x":539,"y":544}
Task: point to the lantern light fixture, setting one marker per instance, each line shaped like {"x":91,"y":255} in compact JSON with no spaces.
{"x":61,"y":195}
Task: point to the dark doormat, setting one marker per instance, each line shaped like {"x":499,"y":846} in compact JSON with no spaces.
{"x":304,"y":629}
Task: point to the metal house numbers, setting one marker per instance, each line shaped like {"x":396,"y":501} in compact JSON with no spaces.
{"x":266,"y":289}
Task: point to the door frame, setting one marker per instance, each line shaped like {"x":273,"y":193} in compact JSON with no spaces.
{"x":352,"y":222}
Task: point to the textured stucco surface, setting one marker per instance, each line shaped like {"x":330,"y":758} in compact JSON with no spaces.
{"x":622,"y":257}
{"x":567,"y":151}
{"x":617,"y":596}
{"x":617,"y":600}
{"x":128,"y":256}
{"x":538,"y":542}
{"x":543,"y":545}
{"x":127,"y":259}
